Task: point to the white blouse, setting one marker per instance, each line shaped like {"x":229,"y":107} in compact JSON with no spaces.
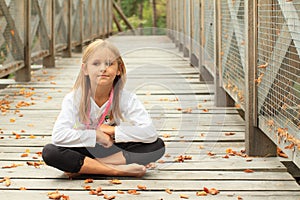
{"x":137,"y":126}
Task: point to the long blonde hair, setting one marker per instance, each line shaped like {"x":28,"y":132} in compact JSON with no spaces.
{"x":83,"y":85}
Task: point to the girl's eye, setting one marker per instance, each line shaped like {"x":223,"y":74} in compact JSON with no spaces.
{"x":96,"y":63}
{"x":108,"y":63}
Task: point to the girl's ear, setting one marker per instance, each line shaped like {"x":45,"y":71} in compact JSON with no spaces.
{"x":84,"y":69}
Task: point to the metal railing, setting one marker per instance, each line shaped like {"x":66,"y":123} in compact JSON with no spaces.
{"x":37,"y":29}
{"x":251,"y":49}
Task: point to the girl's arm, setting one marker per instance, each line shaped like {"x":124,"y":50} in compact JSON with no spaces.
{"x":138,"y":126}
{"x":64,"y":131}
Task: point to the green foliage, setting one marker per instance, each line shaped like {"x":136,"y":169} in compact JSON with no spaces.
{"x":130,"y":9}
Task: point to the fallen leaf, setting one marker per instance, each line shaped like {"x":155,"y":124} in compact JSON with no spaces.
{"x":229,"y":134}
{"x":248,"y":171}
{"x":120,"y":192}
{"x":201,"y":193}
{"x":213,"y":191}
{"x":93,"y":192}
{"x":115,"y":181}
{"x":263,"y":66}
{"x":141,"y":187}
{"x":54,"y":195}
{"x":184,"y":196}
{"x":7,"y":181}
{"x":24,"y":155}
{"x":23,"y":188}
{"x":87,"y":187}
{"x":12,"y":120}
{"x":226,"y":156}
{"x":205,"y":189}
{"x":168,"y":191}
{"x":88,"y":180}
{"x":64,"y":197}
{"x":133,"y":192}
{"x":229,"y":150}
{"x":291,"y":146}
{"x":109,"y":197}
{"x":281,"y":153}
{"x":32,"y":137}
{"x":188,"y":110}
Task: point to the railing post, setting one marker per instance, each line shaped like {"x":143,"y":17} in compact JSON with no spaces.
{"x":68,"y":52}
{"x":49,"y":61}
{"x":24,"y":74}
{"x":222,"y":99}
{"x":256,"y":142}
{"x":201,"y":36}
{"x":78,"y":48}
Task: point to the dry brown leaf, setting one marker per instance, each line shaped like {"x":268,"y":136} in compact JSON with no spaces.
{"x":24,"y":155}
{"x":291,"y":146}
{"x":109,"y":197}
{"x":210,"y":153}
{"x":184,"y":196}
{"x":226,"y":156}
{"x":7,"y":181}
{"x":64,"y":197}
{"x":120,"y":192}
{"x":115,"y":181}
{"x":201,"y":193}
{"x":23,"y":188}
{"x":87,"y":187}
{"x":281,"y":153}
{"x":213,"y":191}
{"x":248,"y":171}
{"x":88,"y":180}
{"x":133,"y":192}
{"x":229,"y":133}
{"x":54,"y":195}
{"x":263,"y":66}
{"x":141,"y":187}
{"x":168,"y":191}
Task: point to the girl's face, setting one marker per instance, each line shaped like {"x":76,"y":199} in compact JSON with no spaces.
{"x":102,"y":68}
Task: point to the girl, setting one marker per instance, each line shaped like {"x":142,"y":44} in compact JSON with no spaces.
{"x":102,"y":128}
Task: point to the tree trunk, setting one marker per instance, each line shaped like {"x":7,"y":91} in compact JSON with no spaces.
{"x":154,"y":17}
{"x":141,"y":7}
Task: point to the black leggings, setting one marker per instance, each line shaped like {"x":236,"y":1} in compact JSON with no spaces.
{"x":71,"y":159}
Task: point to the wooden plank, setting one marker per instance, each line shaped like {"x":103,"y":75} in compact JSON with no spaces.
{"x":226,"y":195}
{"x":28,"y":172}
{"x":63,"y":184}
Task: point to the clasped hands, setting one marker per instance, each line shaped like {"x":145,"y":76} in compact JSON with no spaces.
{"x":105,"y":134}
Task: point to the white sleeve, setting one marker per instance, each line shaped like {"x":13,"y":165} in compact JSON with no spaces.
{"x":138,"y":126}
{"x":64,"y":133}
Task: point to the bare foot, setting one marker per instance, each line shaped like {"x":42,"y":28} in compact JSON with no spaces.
{"x":130,"y":170}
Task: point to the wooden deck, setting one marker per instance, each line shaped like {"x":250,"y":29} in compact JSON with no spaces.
{"x":183,"y":111}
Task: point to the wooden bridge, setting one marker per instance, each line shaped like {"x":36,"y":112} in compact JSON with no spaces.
{"x":220,"y":117}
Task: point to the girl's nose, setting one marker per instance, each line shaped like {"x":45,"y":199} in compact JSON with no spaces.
{"x":102,"y":67}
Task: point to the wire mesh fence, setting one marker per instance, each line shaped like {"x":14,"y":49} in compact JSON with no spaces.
{"x":233,"y":49}
{"x":279,"y":69}
{"x":276,"y":58}
{"x":55,"y":26}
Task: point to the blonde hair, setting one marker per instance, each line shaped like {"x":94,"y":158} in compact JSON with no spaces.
{"x":83,"y":85}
